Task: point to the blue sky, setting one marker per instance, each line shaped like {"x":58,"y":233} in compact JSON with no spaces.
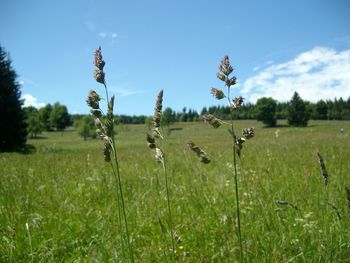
{"x":276,"y":47}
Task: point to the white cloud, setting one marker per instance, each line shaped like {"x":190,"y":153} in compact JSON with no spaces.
{"x":112,"y":35}
{"x":320,"y":73}
{"x":29,"y":100}
{"x":124,"y":91}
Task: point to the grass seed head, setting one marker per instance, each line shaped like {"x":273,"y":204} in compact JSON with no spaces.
{"x":93,"y":99}
{"x":218,"y":94}
{"x":237,"y":102}
{"x":324,"y":172}
{"x":151,"y":142}
{"x":248,"y":133}
{"x":96,"y":113}
{"x":99,"y":75}
{"x":107,"y":152}
{"x":199,"y":152}
{"x":230,"y":82}
{"x":159,"y":155}
{"x":99,"y":62}
{"x":225,"y":67}
{"x":210,"y":119}
{"x":157,"y":115}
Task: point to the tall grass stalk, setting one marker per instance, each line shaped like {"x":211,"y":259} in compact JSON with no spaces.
{"x":225,"y":69}
{"x":170,"y":219}
{"x":30,"y":242}
{"x":235,"y":175}
{"x":152,"y":142}
{"x":105,"y":130}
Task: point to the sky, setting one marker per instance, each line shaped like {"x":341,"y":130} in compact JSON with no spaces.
{"x":276,"y":47}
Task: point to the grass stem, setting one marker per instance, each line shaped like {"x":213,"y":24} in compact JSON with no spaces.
{"x":169,"y":210}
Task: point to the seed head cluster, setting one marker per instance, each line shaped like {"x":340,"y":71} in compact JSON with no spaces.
{"x":99,"y":74}
{"x":104,"y":126}
{"x":156,"y":133}
{"x":218,"y":94}
{"x":248,"y":133}
{"x":200,"y":153}
{"x":324,"y":172}
{"x":212,"y":120}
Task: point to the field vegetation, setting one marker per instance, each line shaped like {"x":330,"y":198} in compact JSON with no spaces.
{"x":57,"y":204}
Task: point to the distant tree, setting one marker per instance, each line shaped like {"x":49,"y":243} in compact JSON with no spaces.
{"x":168,"y":117}
{"x":13,"y":131}
{"x":298,"y":115}
{"x":45,"y":113}
{"x":204,"y":111}
{"x":321,"y":110}
{"x":183,"y":115}
{"x":149,"y":122}
{"x":34,"y":124}
{"x":266,"y":111}
{"x":86,"y":127}
{"x":59,"y":117}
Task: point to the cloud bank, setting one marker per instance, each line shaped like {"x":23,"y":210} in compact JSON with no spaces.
{"x":29,"y":100}
{"x":320,"y":73}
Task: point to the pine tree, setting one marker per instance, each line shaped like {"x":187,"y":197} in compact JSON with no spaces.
{"x":266,"y":111}
{"x":12,"y":120}
{"x":298,"y":115}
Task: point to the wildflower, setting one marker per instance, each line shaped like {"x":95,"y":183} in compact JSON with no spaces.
{"x":210,"y":119}
{"x":219,"y":94}
{"x":99,"y":62}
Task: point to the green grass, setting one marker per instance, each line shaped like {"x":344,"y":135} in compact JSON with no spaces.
{"x":64,"y":192}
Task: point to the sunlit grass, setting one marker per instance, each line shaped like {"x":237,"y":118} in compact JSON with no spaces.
{"x":64,"y":193}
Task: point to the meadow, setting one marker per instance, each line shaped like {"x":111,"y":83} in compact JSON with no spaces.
{"x":58,"y":204}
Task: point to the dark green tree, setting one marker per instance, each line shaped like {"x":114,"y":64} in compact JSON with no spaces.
{"x":59,"y":117}
{"x":266,"y":111}
{"x":298,"y":114}
{"x":13,"y":131}
{"x":321,"y":110}
{"x":168,"y":117}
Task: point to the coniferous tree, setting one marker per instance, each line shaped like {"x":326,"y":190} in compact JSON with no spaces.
{"x":12,"y":120}
{"x":266,"y":111}
{"x":298,"y":114}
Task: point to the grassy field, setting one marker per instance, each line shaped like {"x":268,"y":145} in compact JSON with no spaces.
{"x":58,"y":204}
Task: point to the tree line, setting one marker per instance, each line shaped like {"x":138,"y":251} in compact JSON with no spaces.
{"x":16,"y":122}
